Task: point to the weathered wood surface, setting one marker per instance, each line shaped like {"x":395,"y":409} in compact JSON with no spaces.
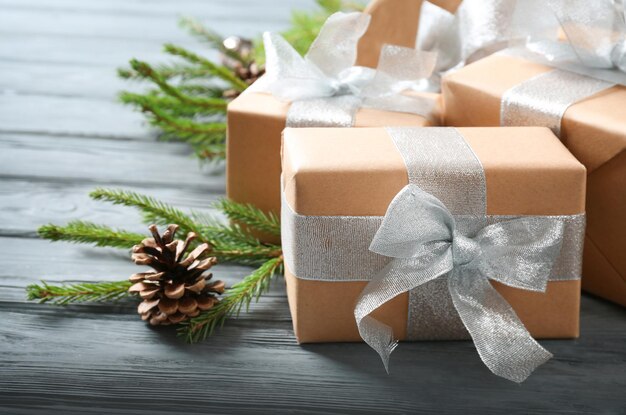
{"x":62,"y":134}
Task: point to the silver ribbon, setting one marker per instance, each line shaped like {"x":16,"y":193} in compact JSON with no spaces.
{"x":420,"y":233}
{"x":325,"y":88}
{"x":447,"y":168}
{"x":477,"y":29}
{"x":590,"y":60}
{"x":543,"y":99}
{"x":595,"y":36}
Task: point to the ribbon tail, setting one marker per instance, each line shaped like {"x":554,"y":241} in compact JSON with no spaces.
{"x":399,"y":276}
{"x":502,"y":341}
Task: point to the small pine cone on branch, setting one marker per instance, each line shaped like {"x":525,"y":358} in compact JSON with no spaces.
{"x":178,"y":288}
{"x":244,"y":67}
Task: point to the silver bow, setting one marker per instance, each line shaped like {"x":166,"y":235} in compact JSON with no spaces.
{"x":421,"y":236}
{"x":477,"y":29}
{"x":326,"y":79}
{"x":581,"y":36}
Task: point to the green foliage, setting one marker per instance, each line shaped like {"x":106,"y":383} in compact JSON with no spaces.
{"x":78,"y":293}
{"x":90,"y":233}
{"x":152,"y":210}
{"x":250,"y":216}
{"x":187,"y":99}
{"x":237,"y":297}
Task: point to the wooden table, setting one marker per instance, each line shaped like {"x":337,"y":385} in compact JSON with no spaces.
{"x":62,"y":133}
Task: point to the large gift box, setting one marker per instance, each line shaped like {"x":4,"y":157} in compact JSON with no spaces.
{"x":322,"y":89}
{"x":509,"y":90}
{"x":357,"y":234}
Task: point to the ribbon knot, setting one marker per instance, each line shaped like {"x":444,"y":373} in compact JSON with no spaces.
{"x":328,"y":71}
{"x":580,"y":36}
{"x":618,"y":55}
{"x":420,"y":235}
{"x":464,"y":249}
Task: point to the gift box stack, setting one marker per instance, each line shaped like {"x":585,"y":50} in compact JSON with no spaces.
{"x":456,"y":209}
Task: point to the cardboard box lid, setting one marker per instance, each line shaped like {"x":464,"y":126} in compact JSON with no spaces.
{"x":593,"y":129}
{"x":359,"y":171}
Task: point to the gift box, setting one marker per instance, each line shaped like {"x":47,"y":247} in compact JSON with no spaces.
{"x":338,"y":189}
{"x":325,"y":90}
{"x":593,"y":128}
{"x":394,"y":22}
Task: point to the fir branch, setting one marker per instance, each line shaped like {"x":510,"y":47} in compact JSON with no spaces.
{"x":212,"y":151}
{"x":250,"y":215}
{"x":237,"y":297}
{"x":219,"y":71}
{"x":78,"y":293}
{"x":183,"y":127}
{"x":90,"y":233}
{"x":147,"y":71}
{"x":171,"y":104}
{"x":152,"y":210}
{"x":167,"y":72}
{"x":214,"y":39}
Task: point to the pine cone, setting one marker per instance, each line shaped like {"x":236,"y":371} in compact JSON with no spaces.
{"x":178,"y":288}
{"x":243,"y":67}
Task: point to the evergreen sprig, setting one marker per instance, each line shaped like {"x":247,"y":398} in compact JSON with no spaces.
{"x":187,"y":99}
{"x":237,"y":297}
{"x":251,"y":216}
{"x":78,"y":293}
{"x":187,"y":102}
{"x":229,"y":242}
{"x":90,"y":233}
{"x":152,"y":210}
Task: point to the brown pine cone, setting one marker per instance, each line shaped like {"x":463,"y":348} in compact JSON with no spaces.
{"x":178,"y":288}
{"x":242,"y":65}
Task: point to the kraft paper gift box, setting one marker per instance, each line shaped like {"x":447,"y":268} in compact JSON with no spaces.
{"x":394,"y":22}
{"x":593,"y":129}
{"x":337,"y":185}
{"x":257,"y":117}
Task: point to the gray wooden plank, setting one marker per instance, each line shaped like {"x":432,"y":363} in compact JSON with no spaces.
{"x":71,"y":116}
{"x":106,"y":162}
{"x":101,"y":362}
{"x":160,"y":27}
{"x":155,"y":7}
{"x":61,"y":80}
{"x":84,"y":51}
{"x":26,"y":205}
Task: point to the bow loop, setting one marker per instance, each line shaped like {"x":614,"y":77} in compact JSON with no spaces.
{"x":421,"y":236}
{"x":328,"y":71}
{"x":335,"y":47}
{"x":411,"y":209}
{"x":477,"y":29}
{"x":513,"y":256}
{"x":618,"y":55}
{"x":581,"y":36}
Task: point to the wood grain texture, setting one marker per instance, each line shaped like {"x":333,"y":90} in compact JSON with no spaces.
{"x":62,"y":134}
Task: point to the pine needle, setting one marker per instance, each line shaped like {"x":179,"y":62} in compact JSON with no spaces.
{"x":250,"y":215}
{"x":153,"y":211}
{"x":90,"y":233}
{"x":78,"y":293}
{"x":238,"y":297}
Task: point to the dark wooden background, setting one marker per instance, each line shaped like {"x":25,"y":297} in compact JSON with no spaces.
{"x":62,"y":133}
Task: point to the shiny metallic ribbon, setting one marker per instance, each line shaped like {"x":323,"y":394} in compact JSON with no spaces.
{"x":477,"y":29}
{"x":325,"y":87}
{"x":590,"y":60}
{"x":581,"y":36}
{"x":449,"y":170}
{"x":543,"y":99}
